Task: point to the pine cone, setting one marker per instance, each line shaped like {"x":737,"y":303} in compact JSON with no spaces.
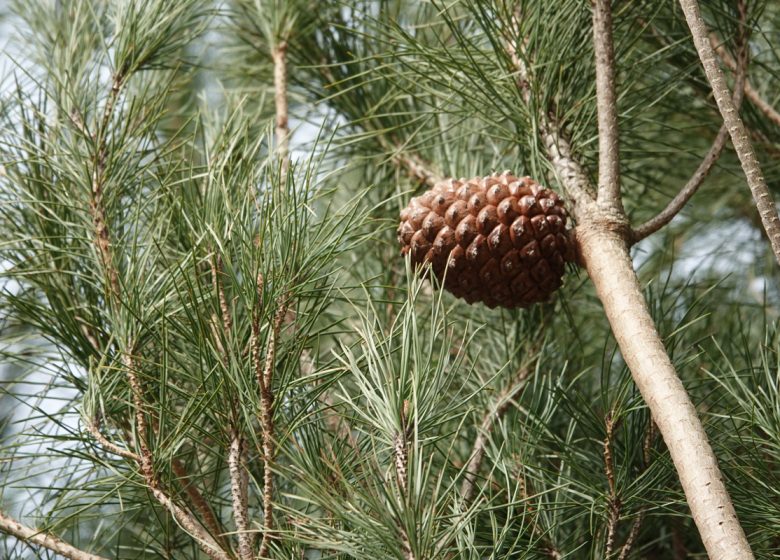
{"x":502,"y":240}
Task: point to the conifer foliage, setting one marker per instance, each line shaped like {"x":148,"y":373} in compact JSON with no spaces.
{"x":214,"y":347}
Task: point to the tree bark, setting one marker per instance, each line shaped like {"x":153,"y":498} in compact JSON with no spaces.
{"x":605,"y":254}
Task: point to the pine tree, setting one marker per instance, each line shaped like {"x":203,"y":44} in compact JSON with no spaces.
{"x":214,"y":348}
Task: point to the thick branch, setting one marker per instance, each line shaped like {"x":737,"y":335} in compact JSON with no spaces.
{"x":602,"y":235}
{"x":606,"y":103}
{"x":703,"y":170}
{"x":739,"y":136}
{"x":609,"y":266}
{"x":46,"y":540}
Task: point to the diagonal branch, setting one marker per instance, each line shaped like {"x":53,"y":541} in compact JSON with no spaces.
{"x":703,"y":170}
{"x":755,"y":98}
{"x":264,"y":373}
{"x":146,"y":463}
{"x":739,"y":135}
{"x":606,"y":104}
{"x":44,"y":539}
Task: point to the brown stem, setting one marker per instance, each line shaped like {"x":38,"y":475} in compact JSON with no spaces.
{"x":43,"y":539}
{"x":238,"y":490}
{"x":94,"y":430}
{"x":279,"y":56}
{"x":265,"y":382}
{"x":613,"y":502}
{"x":196,"y":498}
{"x":606,"y":104}
{"x":739,"y":136}
{"x":102,"y":238}
{"x":706,"y":165}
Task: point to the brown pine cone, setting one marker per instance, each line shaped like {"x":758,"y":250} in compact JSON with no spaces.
{"x":501,"y":240}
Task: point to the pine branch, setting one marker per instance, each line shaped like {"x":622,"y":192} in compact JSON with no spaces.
{"x":708,"y":163}
{"x":751,"y":93}
{"x":109,"y":446}
{"x":633,"y":534}
{"x":602,"y":235}
{"x":606,"y":103}
{"x":102,"y":238}
{"x":739,"y":135}
{"x":44,"y":539}
{"x":264,"y":375}
{"x":237,"y":451}
{"x":570,"y":173}
{"x":196,"y":498}
{"x":401,"y":451}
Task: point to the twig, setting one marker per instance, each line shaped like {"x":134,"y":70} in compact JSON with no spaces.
{"x":739,"y":136}
{"x":606,"y":103}
{"x":102,"y":241}
{"x":264,"y":374}
{"x":418,"y":168}
{"x":146,"y":462}
{"x":632,"y":536}
{"x":238,"y":488}
{"x":613,"y":502}
{"x":755,"y":98}
{"x":570,"y":172}
{"x":239,"y":483}
{"x":494,"y":416}
{"x":401,"y":450}
{"x":93,"y":429}
{"x":196,"y":497}
{"x":97,"y":210}
{"x":279,"y":56}
{"x":44,"y":539}
{"x":706,"y":165}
